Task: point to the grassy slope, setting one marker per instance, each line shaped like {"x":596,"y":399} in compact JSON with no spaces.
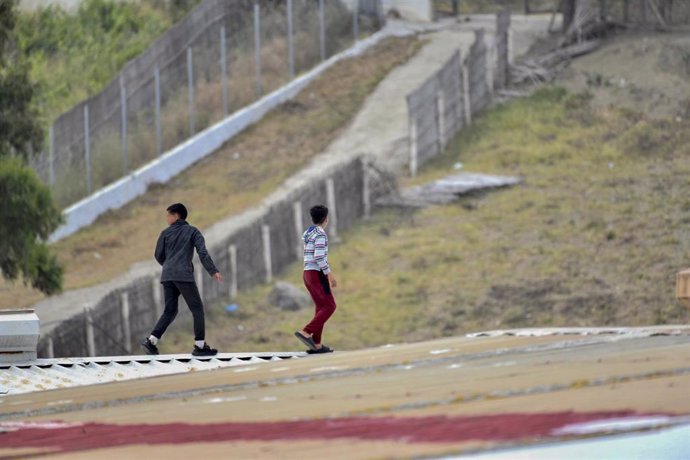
{"x":232,"y":179}
{"x":593,"y":237}
{"x":73,"y":56}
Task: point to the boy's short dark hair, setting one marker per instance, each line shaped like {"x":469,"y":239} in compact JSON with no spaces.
{"x":318,"y":214}
{"x":179,"y":209}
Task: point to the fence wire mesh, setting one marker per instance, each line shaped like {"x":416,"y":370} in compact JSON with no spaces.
{"x":221,"y":57}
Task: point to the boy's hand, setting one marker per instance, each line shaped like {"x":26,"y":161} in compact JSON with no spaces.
{"x":334,"y":282}
{"x":218,"y":277}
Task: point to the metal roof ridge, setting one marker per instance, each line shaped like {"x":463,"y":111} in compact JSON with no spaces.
{"x":44,"y":362}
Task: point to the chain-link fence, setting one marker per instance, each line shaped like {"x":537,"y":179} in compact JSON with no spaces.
{"x":221,"y":57}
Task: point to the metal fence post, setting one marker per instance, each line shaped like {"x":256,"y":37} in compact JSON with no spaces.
{"x":87,"y":150}
{"x":157,"y":85}
{"x":322,"y":30}
{"x":224,"y":70}
{"x":51,"y":157}
{"x":355,"y":19}
{"x":266,"y":240}
{"x":126,"y":327}
{"x":123,"y":123}
{"x":190,"y":81}
{"x":257,"y":48}
{"x":291,"y":51}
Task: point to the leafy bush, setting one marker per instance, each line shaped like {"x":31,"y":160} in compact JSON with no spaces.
{"x":74,"y":55}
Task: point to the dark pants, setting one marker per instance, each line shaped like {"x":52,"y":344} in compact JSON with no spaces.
{"x":172,"y":291}
{"x":320,"y":291}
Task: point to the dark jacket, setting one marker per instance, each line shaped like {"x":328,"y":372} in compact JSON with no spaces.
{"x":175,"y":249}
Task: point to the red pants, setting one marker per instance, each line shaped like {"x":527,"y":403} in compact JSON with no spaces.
{"x":320,"y":291}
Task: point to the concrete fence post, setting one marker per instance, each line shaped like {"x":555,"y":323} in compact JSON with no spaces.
{"x":123,"y":123}
{"x":332,"y":210}
{"x":124,"y":316}
{"x":297,"y":213}
{"x":190,"y":83}
{"x":51,"y":157}
{"x":413,"y":147}
{"x":50,"y":348}
{"x":257,"y":49}
{"x":199,"y":277}
{"x":90,"y":337}
{"x":157,"y":91}
{"x":266,"y":240}
{"x":157,"y":301}
{"x":510,"y":45}
{"x":87,"y":150}
{"x":291,"y":50}
{"x":441,"y":120}
{"x":490,"y":64}
{"x":466,"y":94}
{"x":322,"y":30}
{"x":459,"y":92}
{"x":224,"y":72}
{"x":366,"y":191}
{"x":232,"y":263}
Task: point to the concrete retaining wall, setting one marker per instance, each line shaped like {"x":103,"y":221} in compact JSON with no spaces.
{"x":447,"y":101}
{"x":250,"y":255}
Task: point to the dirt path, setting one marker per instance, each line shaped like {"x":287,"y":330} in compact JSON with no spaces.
{"x":379,"y":129}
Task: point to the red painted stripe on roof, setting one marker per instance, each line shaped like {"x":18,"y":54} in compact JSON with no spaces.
{"x":433,"y":429}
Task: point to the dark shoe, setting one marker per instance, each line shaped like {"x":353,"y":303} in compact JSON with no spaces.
{"x":150,"y":348}
{"x":318,"y":351}
{"x":206,"y":351}
{"x":308,"y":341}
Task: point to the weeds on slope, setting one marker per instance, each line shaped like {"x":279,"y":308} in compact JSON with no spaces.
{"x":594,"y":236}
{"x":234,"y":178}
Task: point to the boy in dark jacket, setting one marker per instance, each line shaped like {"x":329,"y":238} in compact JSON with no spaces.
{"x":174,"y":251}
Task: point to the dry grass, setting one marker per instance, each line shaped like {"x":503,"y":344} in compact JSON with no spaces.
{"x":233,"y":179}
{"x":594,"y":236}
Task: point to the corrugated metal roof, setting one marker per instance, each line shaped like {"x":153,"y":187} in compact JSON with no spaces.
{"x":49,"y":374}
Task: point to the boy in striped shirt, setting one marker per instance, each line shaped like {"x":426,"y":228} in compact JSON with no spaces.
{"x":318,"y":279}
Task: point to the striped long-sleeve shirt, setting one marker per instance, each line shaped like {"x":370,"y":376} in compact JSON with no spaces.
{"x":316,"y":250}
